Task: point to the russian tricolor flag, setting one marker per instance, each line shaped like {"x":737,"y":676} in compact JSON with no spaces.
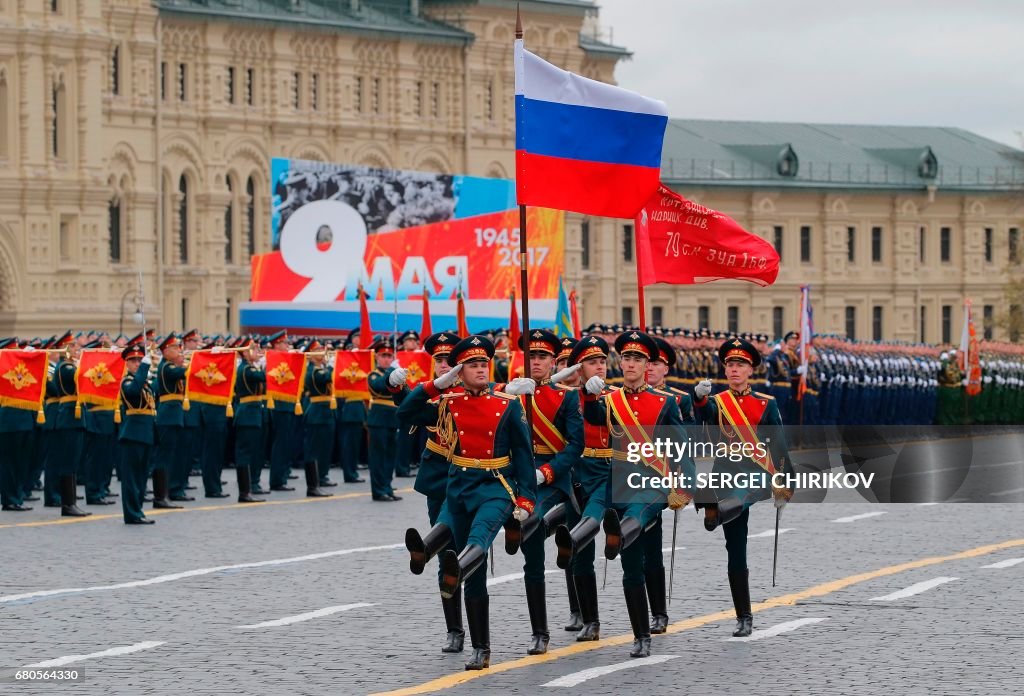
{"x":583,"y":145}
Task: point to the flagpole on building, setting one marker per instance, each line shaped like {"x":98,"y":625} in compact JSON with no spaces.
{"x":523,"y":273}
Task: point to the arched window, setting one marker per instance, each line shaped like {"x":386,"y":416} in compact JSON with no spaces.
{"x":229,"y":224}
{"x":183,"y":219}
{"x":114,"y":228}
{"x":250,"y":216}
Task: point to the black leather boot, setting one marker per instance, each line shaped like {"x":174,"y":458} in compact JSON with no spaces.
{"x":453,"y":621}
{"x":586,"y":587}
{"x":243,"y":476}
{"x":160,"y":491}
{"x":569,"y":542}
{"x":575,"y":616}
{"x":479,"y":635}
{"x":455,"y":568}
{"x":656,"y":597}
{"x":636,"y":605}
{"x":739,"y":585}
{"x":68,"y":498}
{"x":517,"y":532}
{"x":421,"y":550}
{"x":726,"y":510}
{"x":554,"y":519}
{"x":313,"y":482}
{"x":618,"y":535}
{"x":536,"y":602}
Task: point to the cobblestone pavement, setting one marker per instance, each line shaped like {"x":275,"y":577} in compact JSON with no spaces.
{"x":315,"y":597}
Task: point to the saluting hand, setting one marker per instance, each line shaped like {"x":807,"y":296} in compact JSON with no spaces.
{"x":520,"y":514}
{"x":398,"y":376}
{"x":448,"y":379}
{"x":521,"y":385}
{"x":565,"y":374}
{"x":540,"y":477}
{"x":702,"y":389}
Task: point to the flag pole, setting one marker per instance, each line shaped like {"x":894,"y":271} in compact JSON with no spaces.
{"x":523,"y":274}
{"x":639,"y":283}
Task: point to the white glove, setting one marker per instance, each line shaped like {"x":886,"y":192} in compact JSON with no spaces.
{"x":520,"y":514}
{"x":398,"y":376}
{"x":147,"y":360}
{"x":521,"y":385}
{"x":447,"y":379}
{"x":802,"y":369}
{"x":780,"y":503}
{"x":702,"y":389}
{"x":595,"y":385}
{"x":540,"y":477}
{"x":565,"y":374}
{"x":29,"y":349}
{"x":217,"y":349}
{"x":262,"y":362}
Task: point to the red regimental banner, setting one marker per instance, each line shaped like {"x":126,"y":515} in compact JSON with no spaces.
{"x":23,"y":377}
{"x":419,"y":365}
{"x":351,"y":368}
{"x":211,"y":377}
{"x":286,"y":375}
{"x":99,"y":378}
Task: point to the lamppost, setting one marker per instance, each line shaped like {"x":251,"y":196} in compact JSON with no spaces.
{"x":137,"y":317}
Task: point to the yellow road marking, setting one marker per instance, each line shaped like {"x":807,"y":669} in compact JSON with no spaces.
{"x":458,"y":678}
{"x":228,"y":506}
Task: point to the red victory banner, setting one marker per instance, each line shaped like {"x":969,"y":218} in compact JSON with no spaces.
{"x":99,"y":378}
{"x":516,"y":364}
{"x":211,"y":377}
{"x":286,"y":377}
{"x":683,"y":243}
{"x":351,"y":368}
{"x":23,"y":376}
{"x":418,"y":364}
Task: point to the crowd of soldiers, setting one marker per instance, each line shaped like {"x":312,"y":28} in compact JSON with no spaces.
{"x":531,"y":452}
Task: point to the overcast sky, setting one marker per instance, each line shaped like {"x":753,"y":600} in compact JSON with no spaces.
{"x":885,"y":62}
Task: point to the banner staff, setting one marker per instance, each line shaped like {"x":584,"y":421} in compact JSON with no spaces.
{"x":523,"y":273}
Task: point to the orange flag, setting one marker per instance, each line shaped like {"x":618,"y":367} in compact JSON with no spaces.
{"x":513,"y":323}
{"x":99,"y":378}
{"x":211,"y":378}
{"x":351,"y":368}
{"x":574,"y":312}
{"x":23,"y":377}
{"x":460,"y":314}
{"x":516,"y":364}
{"x":425,"y":329}
{"x":418,"y":363}
{"x":365,"y":330}
{"x":286,"y":378}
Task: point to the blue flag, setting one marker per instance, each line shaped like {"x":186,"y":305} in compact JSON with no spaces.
{"x":563,"y":319}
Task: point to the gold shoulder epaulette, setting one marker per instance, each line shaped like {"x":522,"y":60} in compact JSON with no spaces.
{"x":503,"y":395}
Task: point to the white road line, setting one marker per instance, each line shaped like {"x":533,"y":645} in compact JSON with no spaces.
{"x":668,"y":549}
{"x":768,"y":533}
{"x":68,"y":659}
{"x":195,"y":573}
{"x":515,"y":576}
{"x":864,"y":516}
{"x":594,"y":672}
{"x":913,"y":589}
{"x":298,"y":618}
{"x":777,"y":629}
{"x":924,"y":504}
{"x":1008,"y":563}
{"x":1013,"y":491}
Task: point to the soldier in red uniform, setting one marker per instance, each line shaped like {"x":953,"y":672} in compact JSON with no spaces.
{"x":632,"y":413}
{"x":491,"y":475}
{"x":742,"y":416}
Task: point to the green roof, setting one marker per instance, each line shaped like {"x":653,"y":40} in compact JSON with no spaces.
{"x":752,"y":153}
{"x":389,"y":17}
{"x":592,"y":44}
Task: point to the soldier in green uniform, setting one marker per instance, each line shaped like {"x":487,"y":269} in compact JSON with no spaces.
{"x":249,"y":421}
{"x":69,"y":433}
{"x":138,"y":424}
{"x":730,"y":411}
{"x":17,"y":432}
{"x":382,"y":424}
{"x":632,"y":413}
{"x":214,"y":434}
{"x":282,"y":429}
{"x":170,"y":419}
{"x":351,"y":422}
{"x":318,"y":420}
{"x":950,"y":409}
{"x":190,"y":449}
{"x":432,"y":476}
{"x":407,"y":439}
{"x":491,"y":475}
{"x":654,"y":561}
{"x":99,"y":448}
{"x":575,"y":538}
